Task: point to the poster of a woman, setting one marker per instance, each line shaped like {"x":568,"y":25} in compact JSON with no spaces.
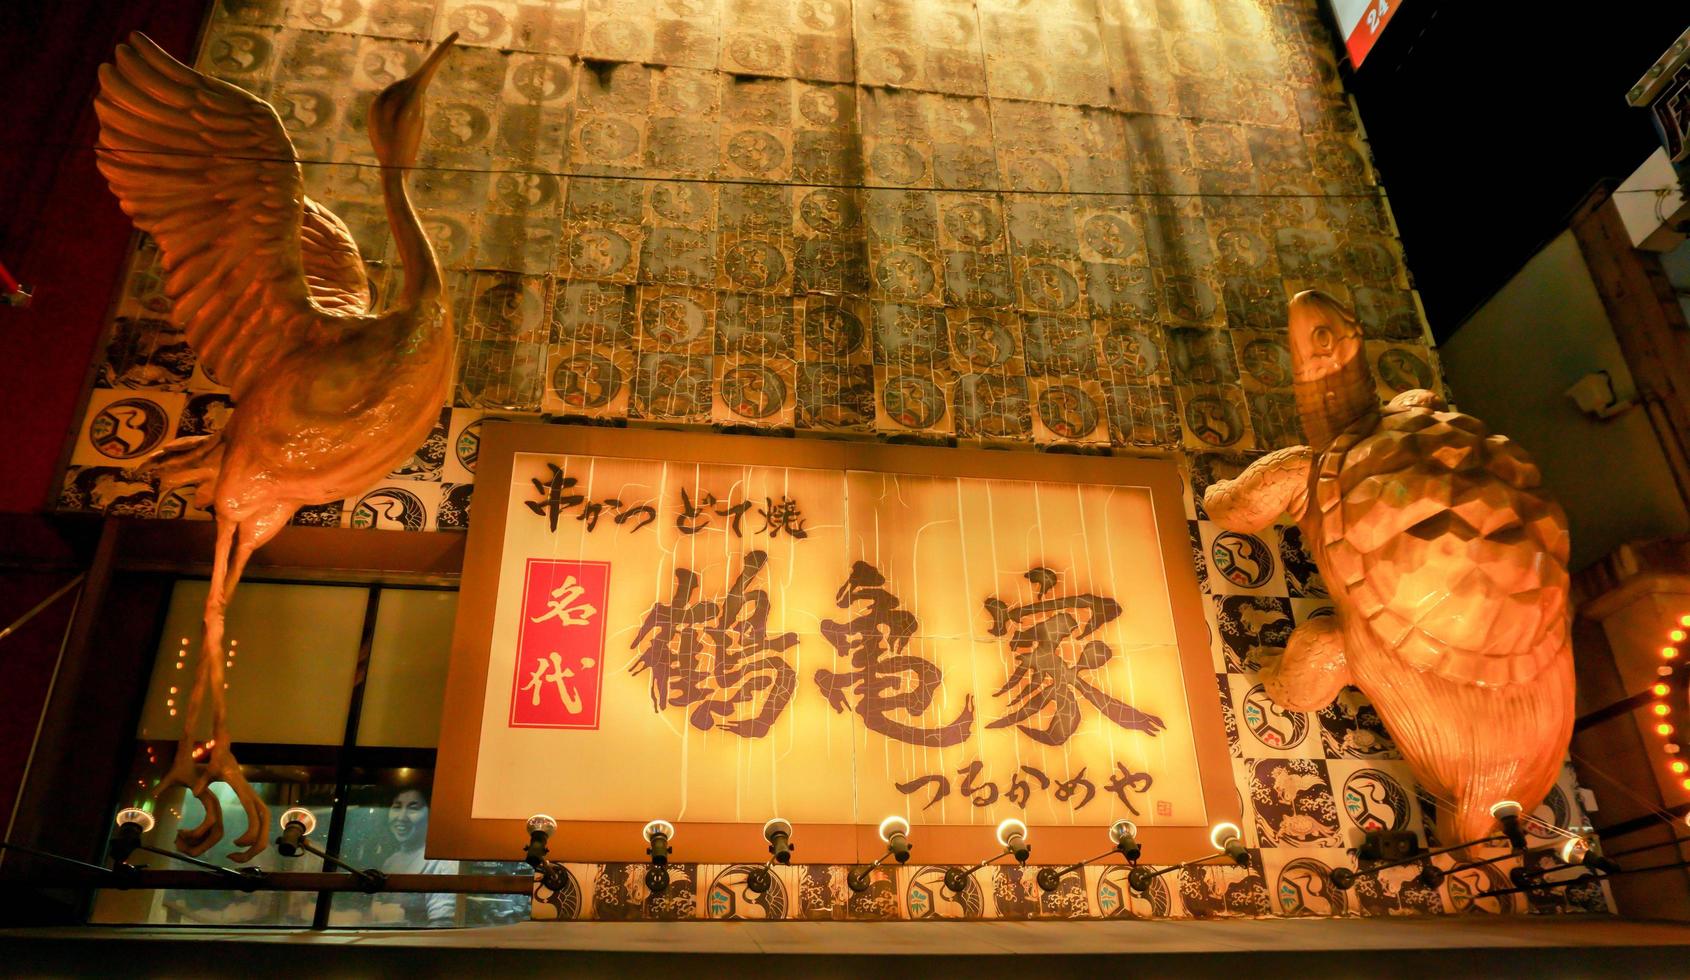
{"x":391,"y":839}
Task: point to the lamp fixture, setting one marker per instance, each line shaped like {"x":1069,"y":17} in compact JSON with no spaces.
{"x":297,"y":825}
{"x":132,"y":824}
{"x":540,"y":830}
{"x":1012,"y":837}
{"x":1508,"y":813}
{"x":778,"y":833}
{"x":1228,"y":842}
{"x":1123,"y":836}
{"x":658,"y":834}
{"x":895,"y":834}
{"x":541,"y":827}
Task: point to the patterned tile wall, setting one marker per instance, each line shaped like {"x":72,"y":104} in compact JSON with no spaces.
{"x":1060,"y":224}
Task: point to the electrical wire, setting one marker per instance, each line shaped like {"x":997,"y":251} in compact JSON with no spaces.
{"x":1655,"y":811}
{"x":1373,"y":191}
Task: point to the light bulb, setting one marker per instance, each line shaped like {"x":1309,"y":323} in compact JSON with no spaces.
{"x":1660,"y":690}
{"x":297,"y":825}
{"x":1121,"y":830}
{"x":778,"y":833}
{"x":1573,"y":850}
{"x":1661,"y":709}
{"x":656,"y":827}
{"x":1503,"y":809}
{"x":1011,"y":830}
{"x":1663,"y":729}
{"x":300,"y":815}
{"x":1669,"y":652}
{"x":1684,"y":620}
{"x":133,"y":815}
{"x":1223,"y":834}
{"x":539,"y":823}
{"x":1680,"y":766}
{"x":894,"y":827}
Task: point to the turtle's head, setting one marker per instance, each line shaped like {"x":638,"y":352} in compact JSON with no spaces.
{"x":1329,"y":371}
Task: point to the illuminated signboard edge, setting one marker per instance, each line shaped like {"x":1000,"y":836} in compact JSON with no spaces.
{"x":454,"y":833}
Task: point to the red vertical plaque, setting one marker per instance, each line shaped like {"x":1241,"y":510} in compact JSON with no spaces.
{"x":559,"y":673}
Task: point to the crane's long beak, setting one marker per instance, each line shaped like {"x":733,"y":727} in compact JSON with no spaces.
{"x":432,"y":63}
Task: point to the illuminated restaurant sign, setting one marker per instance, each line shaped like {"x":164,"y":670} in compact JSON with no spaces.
{"x":717,"y":630}
{"x":1361,"y":22}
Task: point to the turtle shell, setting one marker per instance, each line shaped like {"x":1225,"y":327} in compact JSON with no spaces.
{"x":1439,"y":535}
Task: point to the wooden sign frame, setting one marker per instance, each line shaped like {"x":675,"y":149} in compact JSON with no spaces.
{"x":455,"y":833}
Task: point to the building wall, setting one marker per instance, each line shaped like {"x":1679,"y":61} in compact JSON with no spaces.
{"x":1510,"y":365}
{"x":1070,"y":225}
{"x":1063,"y":224}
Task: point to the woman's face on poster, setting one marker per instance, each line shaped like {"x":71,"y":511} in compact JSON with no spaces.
{"x":407,"y":818}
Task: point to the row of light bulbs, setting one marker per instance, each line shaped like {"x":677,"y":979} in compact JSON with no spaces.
{"x":1662,"y":708}
{"x":1012,"y":836}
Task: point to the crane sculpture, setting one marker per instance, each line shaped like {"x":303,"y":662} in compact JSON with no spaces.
{"x":330,"y":396}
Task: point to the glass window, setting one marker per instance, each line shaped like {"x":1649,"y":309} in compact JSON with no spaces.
{"x":311,"y":788}
{"x":292,"y":653}
{"x":407,"y":676}
{"x":387,"y":829}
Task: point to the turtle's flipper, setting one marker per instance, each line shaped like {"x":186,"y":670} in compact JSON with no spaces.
{"x":1276,"y":484}
{"x":1313,"y":669}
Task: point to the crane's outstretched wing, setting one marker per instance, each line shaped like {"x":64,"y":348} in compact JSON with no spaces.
{"x":253,"y":267}
{"x":334,"y":270}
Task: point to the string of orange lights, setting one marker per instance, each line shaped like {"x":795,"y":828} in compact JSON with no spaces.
{"x":1662,"y":708}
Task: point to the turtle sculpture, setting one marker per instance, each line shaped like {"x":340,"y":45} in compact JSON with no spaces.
{"x":1447,"y":563}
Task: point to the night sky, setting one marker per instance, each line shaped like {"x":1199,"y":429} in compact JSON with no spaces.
{"x":1490,"y":122}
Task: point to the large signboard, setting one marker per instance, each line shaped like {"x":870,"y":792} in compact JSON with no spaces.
{"x":1361,"y":22}
{"x":717,"y":630}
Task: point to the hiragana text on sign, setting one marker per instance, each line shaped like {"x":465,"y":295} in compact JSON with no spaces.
{"x":1076,"y":791}
{"x":697,"y":513}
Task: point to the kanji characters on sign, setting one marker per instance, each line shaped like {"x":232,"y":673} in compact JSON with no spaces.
{"x":559,"y":669}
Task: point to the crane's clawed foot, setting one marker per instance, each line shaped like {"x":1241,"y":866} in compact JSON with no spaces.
{"x":193,"y":841}
{"x":220,"y":767}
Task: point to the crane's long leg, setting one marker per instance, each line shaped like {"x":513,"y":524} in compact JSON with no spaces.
{"x":235,"y":544}
{"x":221,"y":763}
{"x":182,"y":773}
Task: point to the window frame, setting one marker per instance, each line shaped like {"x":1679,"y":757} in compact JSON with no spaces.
{"x":346,"y":759}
